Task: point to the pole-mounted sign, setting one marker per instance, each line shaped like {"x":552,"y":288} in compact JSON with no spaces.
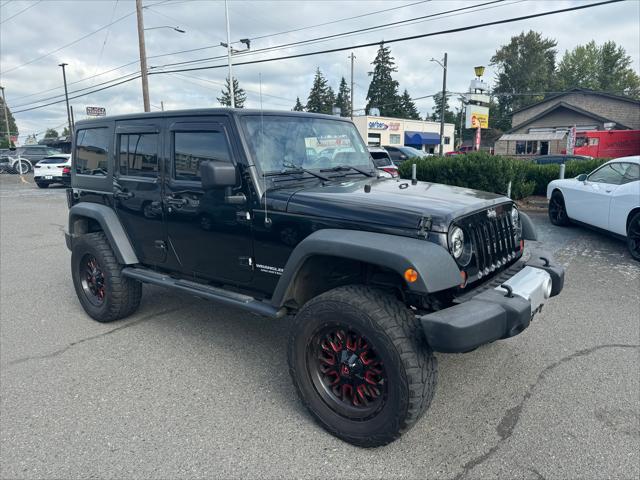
{"x":96,"y":111}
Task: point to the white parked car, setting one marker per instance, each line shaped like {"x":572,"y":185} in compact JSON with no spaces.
{"x":607,"y":198}
{"x":53,"y":169}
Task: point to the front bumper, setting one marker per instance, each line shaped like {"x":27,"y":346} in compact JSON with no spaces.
{"x":495,"y":312}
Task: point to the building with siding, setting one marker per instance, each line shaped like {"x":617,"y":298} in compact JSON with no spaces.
{"x":541,"y":128}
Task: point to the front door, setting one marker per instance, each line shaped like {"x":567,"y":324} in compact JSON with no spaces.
{"x":137,"y":188}
{"x":209,"y":238}
{"x":594,"y":195}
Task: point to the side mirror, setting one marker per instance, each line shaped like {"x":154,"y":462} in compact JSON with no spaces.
{"x":216,"y":174}
{"x":582,"y":177}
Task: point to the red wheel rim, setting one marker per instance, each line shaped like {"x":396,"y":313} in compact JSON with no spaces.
{"x":347,"y":372}
{"x":92,"y":279}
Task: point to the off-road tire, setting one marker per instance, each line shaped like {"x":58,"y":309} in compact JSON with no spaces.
{"x":121,"y":294}
{"x":410,"y":366}
{"x":42,"y":185}
{"x":558,"y":210}
{"x":633,"y":236}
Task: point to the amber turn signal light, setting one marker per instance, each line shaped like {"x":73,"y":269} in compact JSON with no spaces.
{"x":463,"y":277}
{"x":410,"y":275}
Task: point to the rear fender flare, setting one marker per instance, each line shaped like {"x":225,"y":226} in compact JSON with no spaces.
{"x":436,"y":268}
{"x":110,"y":225}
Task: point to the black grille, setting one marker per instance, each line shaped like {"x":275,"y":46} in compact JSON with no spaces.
{"x":493,"y":240}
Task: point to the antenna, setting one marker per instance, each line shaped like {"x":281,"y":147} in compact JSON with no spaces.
{"x":267,"y":220}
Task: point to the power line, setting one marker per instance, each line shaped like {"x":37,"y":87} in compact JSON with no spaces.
{"x":338,"y":20}
{"x":21,"y":11}
{"x":344,"y":34}
{"x":252,"y":52}
{"x":71,"y":43}
{"x":340,"y":49}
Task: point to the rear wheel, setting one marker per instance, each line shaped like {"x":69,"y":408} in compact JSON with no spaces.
{"x":557,"y":210}
{"x":103,"y":291}
{"x":360,"y":365}
{"x":42,"y":185}
{"x":22,"y":167}
{"x":633,"y":236}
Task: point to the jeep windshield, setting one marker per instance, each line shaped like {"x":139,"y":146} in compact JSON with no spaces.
{"x":286,"y":145}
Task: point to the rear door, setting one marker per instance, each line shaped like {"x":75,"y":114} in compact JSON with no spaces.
{"x":137,"y":188}
{"x":208,"y":237}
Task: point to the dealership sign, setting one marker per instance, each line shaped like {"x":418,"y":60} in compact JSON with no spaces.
{"x":477,"y":116}
{"x":96,"y":111}
{"x":378,"y":125}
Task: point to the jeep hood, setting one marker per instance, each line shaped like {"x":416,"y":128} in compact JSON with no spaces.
{"x":390,"y":202}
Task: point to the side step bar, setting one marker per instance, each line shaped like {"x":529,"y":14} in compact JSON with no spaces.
{"x":233,"y":299}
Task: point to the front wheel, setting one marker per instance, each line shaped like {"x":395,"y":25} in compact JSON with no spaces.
{"x":22,"y":167}
{"x":633,"y":236}
{"x":360,"y":365}
{"x":558,"y":210}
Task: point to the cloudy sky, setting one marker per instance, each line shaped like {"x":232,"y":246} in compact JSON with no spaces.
{"x":35,"y":36}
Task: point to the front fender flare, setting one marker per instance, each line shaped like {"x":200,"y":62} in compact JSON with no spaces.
{"x":110,"y":225}
{"x":528,"y":228}
{"x":436,"y":268}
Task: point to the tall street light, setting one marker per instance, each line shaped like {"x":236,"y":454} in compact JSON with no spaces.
{"x":66,"y":96}
{"x":230,"y":51}
{"x":444,"y":101}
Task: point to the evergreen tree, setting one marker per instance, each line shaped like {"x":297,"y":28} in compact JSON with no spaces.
{"x":449,"y":116}
{"x":65,"y":132}
{"x":321,"y":97}
{"x":343,"y":100}
{"x":605,"y":68}
{"x":13,"y":128}
{"x":51,"y":133}
{"x":383,"y":89}
{"x":298,"y":107}
{"x":525,"y":65}
{"x":239,"y":95}
{"x":407,"y":107}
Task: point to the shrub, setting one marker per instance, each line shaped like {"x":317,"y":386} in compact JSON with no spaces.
{"x":492,"y":173}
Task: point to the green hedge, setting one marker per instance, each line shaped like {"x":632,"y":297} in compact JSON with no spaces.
{"x":492,"y":173}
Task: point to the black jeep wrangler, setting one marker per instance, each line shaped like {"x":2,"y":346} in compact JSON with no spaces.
{"x":282,"y":213}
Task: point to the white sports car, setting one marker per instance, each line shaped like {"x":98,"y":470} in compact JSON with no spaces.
{"x":607,"y":198}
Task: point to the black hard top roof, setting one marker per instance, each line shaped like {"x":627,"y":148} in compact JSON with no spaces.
{"x":203,"y":112}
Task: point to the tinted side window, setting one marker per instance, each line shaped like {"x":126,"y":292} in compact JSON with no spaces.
{"x":138,"y":155}
{"x":92,"y":147}
{"x":193,"y":148}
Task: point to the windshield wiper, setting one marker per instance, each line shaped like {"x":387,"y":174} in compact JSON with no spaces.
{"x":294,"y":169}
{"x":345,"y":168}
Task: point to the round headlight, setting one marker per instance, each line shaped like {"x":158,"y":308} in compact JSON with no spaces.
{"x":456,"y":242}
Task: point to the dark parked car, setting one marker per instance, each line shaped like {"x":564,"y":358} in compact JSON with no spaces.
{"x":35,"y":153}
{"x":400,"y":154}
{"x":379,"y":273}
{"x":558,"y":159}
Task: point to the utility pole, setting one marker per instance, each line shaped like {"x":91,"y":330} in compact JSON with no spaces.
{"x":6,"y":117}
{"x":143,"y":58}
{"x":443,"y":105}
{"x":162,"y":105}
{"x":231,"y":91}
{"x":66,"y":95}
{"x":352,"y":57}
{"x":73,"y":122}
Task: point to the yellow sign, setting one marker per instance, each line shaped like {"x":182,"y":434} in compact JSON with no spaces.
{"x":477,"y":116}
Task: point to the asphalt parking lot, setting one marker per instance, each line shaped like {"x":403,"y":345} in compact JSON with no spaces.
{"x":187,"y":388}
